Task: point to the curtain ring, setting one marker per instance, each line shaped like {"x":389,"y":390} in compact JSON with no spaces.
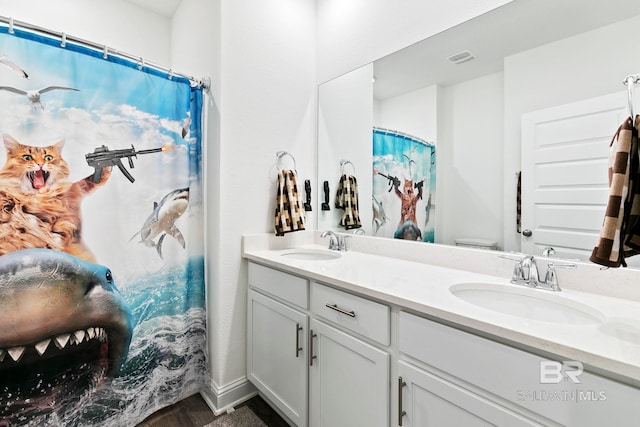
{"x":63,"y":40}
{"x":11,"y":31}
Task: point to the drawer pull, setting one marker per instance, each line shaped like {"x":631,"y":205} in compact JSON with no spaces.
{"x":298,"y":348}
{"x":401,"y":413}
{"x":311,"y":356}
{"x":341,"y":310}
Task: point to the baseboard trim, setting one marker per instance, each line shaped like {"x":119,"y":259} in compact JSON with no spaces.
{"x":221,"y":399}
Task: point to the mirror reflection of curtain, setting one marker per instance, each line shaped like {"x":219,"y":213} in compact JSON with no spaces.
{"x":106,"y":335}
{"x":404,"y":183}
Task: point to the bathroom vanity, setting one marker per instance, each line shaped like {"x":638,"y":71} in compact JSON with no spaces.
{"x":357,"y":338}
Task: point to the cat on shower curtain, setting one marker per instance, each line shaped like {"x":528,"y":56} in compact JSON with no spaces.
{"x":39,"y":206}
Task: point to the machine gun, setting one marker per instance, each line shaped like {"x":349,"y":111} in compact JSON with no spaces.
{"x":393,"y":181}
{"x":419,"y":186}
{"x":103,"y":157}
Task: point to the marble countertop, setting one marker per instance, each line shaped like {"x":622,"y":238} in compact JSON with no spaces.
{"x":611,"y":345}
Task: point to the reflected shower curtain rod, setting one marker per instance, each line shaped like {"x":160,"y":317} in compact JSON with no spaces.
{"x":397,"y":132}
{"x":204,"y":82}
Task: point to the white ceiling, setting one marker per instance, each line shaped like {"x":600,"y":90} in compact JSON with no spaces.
{"x":513,"y":28}
{"x":163,"y":7}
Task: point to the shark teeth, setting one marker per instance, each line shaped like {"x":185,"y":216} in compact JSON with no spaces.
{"x":79,"y":336}
{"x":41,"y":347}
{"x":16,"y":353}
{"x":61,"y":341}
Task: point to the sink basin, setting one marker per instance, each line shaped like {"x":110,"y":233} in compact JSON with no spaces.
{"x":531,"y":304}
{"x":311,"y":254}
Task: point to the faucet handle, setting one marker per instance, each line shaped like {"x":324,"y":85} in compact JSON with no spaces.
{"x":551,"y":278}
{"x":518,"y":274}
{"x":342,"y":241}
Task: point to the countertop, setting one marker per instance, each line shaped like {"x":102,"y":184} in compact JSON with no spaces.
{"x":612,"y":345}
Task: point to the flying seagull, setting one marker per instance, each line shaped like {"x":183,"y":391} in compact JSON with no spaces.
{"x":4,"y":61}
{"x":34,"y":95}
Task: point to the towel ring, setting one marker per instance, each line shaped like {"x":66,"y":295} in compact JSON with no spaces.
{"x":630,"y":81}
{"x":281,"y":154}
{"x":343,"y":163}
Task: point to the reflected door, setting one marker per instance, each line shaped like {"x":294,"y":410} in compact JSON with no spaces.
{"x":564,"y":174}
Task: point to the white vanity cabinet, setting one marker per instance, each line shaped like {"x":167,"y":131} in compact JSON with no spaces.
{"x":348,"y":377}
{"x":328,"y":356}
{"x":489,"y":383}
{"x":426,"y":400}
{"x":277,"y":340}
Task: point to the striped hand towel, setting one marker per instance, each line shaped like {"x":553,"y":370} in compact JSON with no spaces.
{"x":620,"y":234}
{"x":347,"y":199}
{"x":289,"y":212}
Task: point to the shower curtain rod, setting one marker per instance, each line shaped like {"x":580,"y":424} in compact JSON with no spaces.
{"x":204,"y":83}
{"x":397,"y":132}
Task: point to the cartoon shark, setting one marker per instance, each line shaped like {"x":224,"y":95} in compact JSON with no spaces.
{"x":162,"y":220}
{"x":65,"y":328}
{"x":379,"y":216}
{"x":408,"y":231}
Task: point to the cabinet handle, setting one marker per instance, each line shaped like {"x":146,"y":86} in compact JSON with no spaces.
{"x":401,"y":413}
{"x":341,"y":310}
{"x":298,"y":348}
{"x":311,"y":356}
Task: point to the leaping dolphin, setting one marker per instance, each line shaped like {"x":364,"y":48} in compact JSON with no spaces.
{"x":65,"y":327}
{"x":162,"y":220}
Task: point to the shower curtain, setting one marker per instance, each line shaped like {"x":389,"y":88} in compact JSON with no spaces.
{"x":404,"y":179}
{"x":102,"y":296}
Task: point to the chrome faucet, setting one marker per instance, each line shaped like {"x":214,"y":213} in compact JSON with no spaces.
{"x":526,"y":272}
{"x":337,"y":242}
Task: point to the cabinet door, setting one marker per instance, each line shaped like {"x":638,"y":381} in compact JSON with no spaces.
{"x":348,"y":380}
{"x":277,"y":354}
{"x":425,"y":400}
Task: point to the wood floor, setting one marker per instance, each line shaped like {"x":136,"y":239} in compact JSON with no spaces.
{"x":194,"y":412}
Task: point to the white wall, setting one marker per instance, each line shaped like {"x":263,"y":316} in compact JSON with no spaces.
{"x":261,"y":56}
{"x":469,"y":156}
{"x":415,"y":113}
{"x":355,"y":32}
{"x":200,"y":53}
{"x":115,"y":23}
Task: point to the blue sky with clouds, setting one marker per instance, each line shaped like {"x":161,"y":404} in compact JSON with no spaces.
{"x":116,"y":106}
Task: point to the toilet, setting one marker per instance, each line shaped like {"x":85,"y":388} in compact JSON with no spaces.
{"x":469,"y":242}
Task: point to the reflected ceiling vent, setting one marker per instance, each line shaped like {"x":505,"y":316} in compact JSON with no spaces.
{"x":460,"y":57}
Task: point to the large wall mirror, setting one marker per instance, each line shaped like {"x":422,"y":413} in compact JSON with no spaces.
{"x":530,"y":61}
